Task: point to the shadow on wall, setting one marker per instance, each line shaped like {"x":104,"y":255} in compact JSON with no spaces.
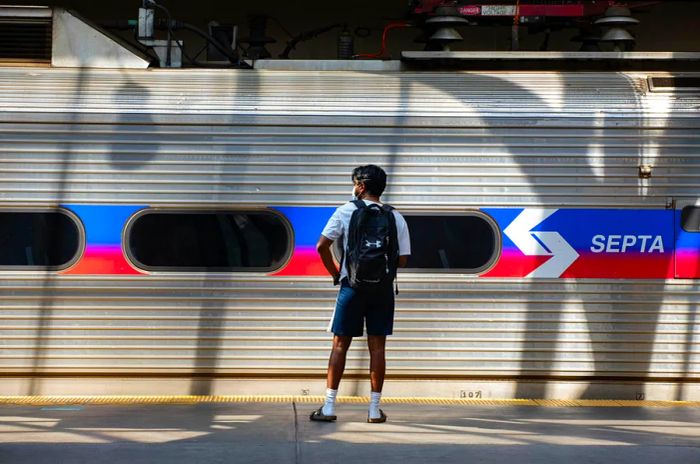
{"x":569,"y":128}
{"x":135,"y":136}
{"x":144,"y":133}
{"x":41,"y":355}
{"x":149,"y":130}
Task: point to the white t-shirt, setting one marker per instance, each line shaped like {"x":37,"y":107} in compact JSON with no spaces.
{"x":339,"y":224}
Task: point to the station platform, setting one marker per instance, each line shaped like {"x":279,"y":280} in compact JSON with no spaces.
{"x":139,"y":430}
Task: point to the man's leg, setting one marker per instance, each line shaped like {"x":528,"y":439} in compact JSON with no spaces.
{"x":348,"y":321}
{"x":377,"y":361}
{"x":377,"y":369}
{"x":336,"y":366}
{"x":336,"y":362}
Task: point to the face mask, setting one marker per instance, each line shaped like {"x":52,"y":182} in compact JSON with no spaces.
{"x":354,"y":195}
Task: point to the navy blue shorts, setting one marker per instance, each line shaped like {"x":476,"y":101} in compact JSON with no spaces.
{"x":355,"y":307}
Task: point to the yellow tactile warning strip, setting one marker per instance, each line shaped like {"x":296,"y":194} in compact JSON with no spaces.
{"x":191,"y":399}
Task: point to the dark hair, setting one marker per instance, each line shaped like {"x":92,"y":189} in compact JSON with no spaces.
{"x":372,"y":176}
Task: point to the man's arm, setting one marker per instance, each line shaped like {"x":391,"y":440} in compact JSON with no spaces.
{"x":324,"y":249}
{"x":403,"y":261}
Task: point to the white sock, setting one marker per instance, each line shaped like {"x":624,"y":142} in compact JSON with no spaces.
{"x":374,"y":405}
{"x":329,"y":405}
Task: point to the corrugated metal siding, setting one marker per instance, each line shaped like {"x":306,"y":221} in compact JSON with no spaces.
{"x":450,"y":141}
{"x":456,"y":326}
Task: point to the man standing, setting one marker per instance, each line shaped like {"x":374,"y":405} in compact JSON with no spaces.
{"x":364,"y":296}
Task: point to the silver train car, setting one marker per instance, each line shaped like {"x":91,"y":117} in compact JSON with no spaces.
{"x":158,"y":230}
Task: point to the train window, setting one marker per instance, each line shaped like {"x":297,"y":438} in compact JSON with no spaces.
{"x":39,"y":239}
{"x":219,"y":241}
{"x":460,"y":243}
{"x":690,"y":218}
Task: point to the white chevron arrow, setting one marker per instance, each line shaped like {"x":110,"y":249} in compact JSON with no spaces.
{"x":520,"y":232}
{"x":563,"y":255}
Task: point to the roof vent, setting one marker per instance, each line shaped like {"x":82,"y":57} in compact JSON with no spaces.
{"x":56,"y":37}
{"x":674,"y":84}
{"x":25,"y":35}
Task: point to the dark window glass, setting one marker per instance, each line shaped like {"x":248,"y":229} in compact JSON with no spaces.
{"x":464,"y":243}
{"x":46,"y":239}
{"x":218,"y":241}
{"x":690,"y":219}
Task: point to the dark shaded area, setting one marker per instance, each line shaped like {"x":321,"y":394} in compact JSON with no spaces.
{"x":211,"y":330}
{"x":670,"y":25}
{"x":674,"y":82}
{"x":25,"y":41}
{"x":445,"y":61}
{"x":129,"y":151}
{"x":690,"y":219}
{"x":50,"y":280}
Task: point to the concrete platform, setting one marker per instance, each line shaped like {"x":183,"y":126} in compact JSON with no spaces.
{"x":281,"y":433}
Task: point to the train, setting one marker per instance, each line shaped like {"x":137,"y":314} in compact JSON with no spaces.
{"x":158,"y":229}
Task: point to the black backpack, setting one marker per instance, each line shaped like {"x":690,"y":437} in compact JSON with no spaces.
{"x":372,"y":246}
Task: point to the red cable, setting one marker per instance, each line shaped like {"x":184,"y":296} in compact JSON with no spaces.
{"x":387,"y":28}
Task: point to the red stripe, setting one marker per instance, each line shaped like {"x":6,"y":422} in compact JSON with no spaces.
{"x":515,"y":264}
{"x":103,"y":260}
{"x":304,"y":262}
{"x":688,"y":265}
{"x":593,"y":265}
{"x":622,"y":266}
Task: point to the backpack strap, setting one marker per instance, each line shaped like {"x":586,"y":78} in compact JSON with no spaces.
{"x":394,"y":237}
{"x":353,"y":234}
{"x":393,"y":231}
{"x":359,"y":204}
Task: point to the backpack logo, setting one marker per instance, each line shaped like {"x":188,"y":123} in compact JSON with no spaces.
{"x":376,"y":244}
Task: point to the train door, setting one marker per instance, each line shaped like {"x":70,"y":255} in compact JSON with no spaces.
{"x":687,"y":224}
